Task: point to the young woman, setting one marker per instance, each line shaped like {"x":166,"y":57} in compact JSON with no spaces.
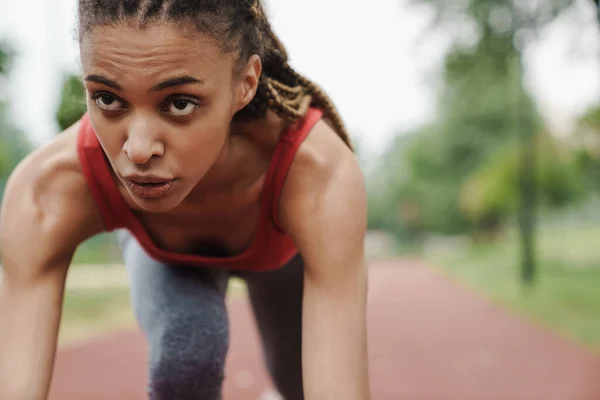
{"x":211,"y":156}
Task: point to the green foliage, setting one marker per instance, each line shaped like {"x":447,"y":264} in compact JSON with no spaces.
{"x":6,"y":55}
{"x":462,"y":172}
{"x":490,"y":195}
{"x":591,"y":120}
{"x":72,"y":103}
{"x":100,"y":249}
{"x":390,"y":208}
{"x":587,"y":146}
{"x":14,"y":145}
{"x":474,"y":122}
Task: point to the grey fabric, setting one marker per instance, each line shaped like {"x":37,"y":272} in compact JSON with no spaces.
{"x":276,"y":298}
{"x":182,"y":313}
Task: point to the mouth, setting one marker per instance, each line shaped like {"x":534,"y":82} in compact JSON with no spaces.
{"x":149,"y":187}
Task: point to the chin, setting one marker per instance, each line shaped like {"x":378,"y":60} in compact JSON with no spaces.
{"x":156,"y":205}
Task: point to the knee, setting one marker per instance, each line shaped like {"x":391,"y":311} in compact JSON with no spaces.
{"x":185,"y":377}
{"x":188,"y":365}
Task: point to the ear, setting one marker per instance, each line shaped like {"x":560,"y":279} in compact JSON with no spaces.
{"x":248,"y":82}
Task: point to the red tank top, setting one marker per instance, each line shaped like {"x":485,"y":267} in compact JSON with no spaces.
{"x":271,"y":247}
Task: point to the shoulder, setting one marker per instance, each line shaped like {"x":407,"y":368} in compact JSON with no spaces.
{"x":46,"y":197}
{"x":324,"y":186}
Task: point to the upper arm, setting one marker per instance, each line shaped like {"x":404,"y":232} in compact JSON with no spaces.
{"x":324,"y":208}
{"x":45,"y":214}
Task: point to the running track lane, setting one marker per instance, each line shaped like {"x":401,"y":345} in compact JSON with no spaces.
{"x":428,"y":339}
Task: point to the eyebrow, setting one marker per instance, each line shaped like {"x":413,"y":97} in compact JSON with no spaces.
{"x":177,"y":81}
{"x":104,"y":81}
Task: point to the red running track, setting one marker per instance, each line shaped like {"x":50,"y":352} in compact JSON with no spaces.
{"x":428,"y":339}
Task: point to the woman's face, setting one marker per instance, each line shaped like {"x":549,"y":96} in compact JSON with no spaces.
{"x":161,"y":101}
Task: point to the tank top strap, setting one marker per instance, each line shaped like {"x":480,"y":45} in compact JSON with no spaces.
{"x":285,"y":153}
{"x":97,"y":174}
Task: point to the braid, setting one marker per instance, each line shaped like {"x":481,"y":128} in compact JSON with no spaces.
{"x":321,"y":99}
{"x":130,"y":7}
{"x":292,"y":101}
{"x":239,"y":26}
{"x":152,"y":9}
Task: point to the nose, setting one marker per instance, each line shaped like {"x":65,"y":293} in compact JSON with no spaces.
{"x":143,"y":142}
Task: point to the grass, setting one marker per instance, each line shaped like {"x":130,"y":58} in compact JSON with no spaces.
{"x":101,"y":249}
{"x":566,"y":293}
{"x":94,"y":312}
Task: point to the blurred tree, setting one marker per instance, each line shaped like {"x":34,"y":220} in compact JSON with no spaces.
{"x":14,"y":145}
{"x":482,"y":107}
{"x":5,"y":56}
{"x":587,"y":146}
{"x":72,"y":103}
{"x":473,"y":122}
{"x":491,"y":193}
{"x":590,"y":120}
{"x":484,"y":102}
{"x":385,"y":187}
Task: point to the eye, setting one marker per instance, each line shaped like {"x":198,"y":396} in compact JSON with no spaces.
{"x":108,"y":102}
{"x":181,"y":106}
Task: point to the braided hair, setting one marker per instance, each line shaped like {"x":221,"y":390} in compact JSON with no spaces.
{"x":239,"y":26}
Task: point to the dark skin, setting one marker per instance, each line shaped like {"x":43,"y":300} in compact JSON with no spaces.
{"x":184,"y":132}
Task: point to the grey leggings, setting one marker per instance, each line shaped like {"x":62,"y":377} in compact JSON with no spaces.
{"x":182,"y":313}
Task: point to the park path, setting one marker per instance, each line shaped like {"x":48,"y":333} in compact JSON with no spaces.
{"x":428,"y":339}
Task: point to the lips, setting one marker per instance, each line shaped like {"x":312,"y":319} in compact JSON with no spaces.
{"x":149,"y":187}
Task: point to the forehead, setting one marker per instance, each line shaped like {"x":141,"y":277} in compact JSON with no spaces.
{"x":124,"y":50}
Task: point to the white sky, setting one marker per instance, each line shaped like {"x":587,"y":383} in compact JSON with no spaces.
{"x":366,"y":57}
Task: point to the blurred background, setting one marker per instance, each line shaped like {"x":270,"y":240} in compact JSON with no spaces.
{"x":477,"y":124}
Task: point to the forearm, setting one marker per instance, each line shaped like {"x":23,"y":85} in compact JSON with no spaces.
{"x":335,"y":362}
{"x":29,"y":322}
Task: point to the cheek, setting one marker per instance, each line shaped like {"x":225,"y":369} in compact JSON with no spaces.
{"x":201,"y":143}
{"x":207,"y":134}
{"x":111,"y":142}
